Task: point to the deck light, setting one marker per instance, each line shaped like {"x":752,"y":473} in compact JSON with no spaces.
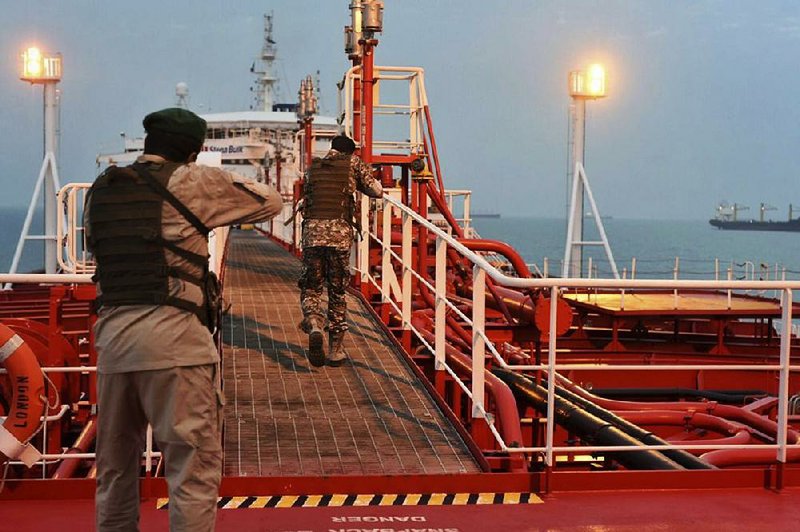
{"x":44,"y":69}
{"x":39,"y":67}
{"x":583,"y":85}
{"x":589,"y":83}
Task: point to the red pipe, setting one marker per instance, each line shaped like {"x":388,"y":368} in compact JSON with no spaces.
{"x":434,"y":151}
{"x":743,"y":437}
{"x":762,"y":424}
{"x":451,"y":321}
{"x":737,"y":434}
{"x":441,"y":205}
{"x":674,"y":418}
{"x":499,"y":300}
{"x":520,"y":305}
{"x":82,"y":444}
{"x":507,"y":411}
{"x":367,"y":87}
{"x":501,"y":248}
{"x":747,"y":457}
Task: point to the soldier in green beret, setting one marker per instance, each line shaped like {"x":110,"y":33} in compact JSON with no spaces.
{"x":147,"y":226}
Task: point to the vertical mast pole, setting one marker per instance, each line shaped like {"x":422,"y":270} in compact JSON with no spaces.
{"x":576,"y":213}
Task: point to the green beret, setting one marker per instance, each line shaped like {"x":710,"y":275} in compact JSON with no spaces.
{"x":178,"y":122}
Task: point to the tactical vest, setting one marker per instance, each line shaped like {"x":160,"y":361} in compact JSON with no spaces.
{"x":329,"y":191}
{"x":125,"y":237}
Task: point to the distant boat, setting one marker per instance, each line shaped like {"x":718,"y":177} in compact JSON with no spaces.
{"x":727,"y":215}
{"x":755,"y":225}
{"x":486,"y":215}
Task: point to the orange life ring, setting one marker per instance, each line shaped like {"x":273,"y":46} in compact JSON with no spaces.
{"x":28,"y":401}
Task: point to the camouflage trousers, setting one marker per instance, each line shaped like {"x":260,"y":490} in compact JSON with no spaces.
{"x":332,"y":266}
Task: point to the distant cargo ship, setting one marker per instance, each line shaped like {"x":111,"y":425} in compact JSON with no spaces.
{"x":727,"y":218}
{"x":486,"y":215}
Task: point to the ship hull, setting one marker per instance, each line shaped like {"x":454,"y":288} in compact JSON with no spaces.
{"x":753,"y":225}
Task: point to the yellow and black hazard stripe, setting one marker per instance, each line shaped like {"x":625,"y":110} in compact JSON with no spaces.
{"x":340,"y":499}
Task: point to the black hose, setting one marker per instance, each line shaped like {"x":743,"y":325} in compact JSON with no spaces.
{"x":684,"y":458}
{"x":589,"y":427}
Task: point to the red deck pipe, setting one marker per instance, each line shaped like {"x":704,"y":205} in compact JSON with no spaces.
{"x":367,"y":88}
{"x":438,"y":200}
{"x":743,"y":437}
{"x":507,"y":411}
{"x":760,"y":423}
{"x":82,"y":444}
{"x":737,"y":434}
{"x":747,"y":457}
{"x":501,"y":248}
{"x":677,"y":419}
{"x":434,"y":150}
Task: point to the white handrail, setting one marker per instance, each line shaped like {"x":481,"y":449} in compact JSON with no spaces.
{"x":481,"y":268}
{"x":573,"y":282}
{"x":46,"y":278}
{"x":417,"y":100}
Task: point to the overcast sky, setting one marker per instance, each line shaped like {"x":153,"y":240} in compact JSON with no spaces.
{"x":703,"y":102}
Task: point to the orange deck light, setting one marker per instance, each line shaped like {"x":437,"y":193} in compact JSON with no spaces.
{"x":589,"y":83}
{"x":39,"y":67}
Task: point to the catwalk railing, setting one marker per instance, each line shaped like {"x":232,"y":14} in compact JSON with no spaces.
{"x":398,"y":294}
{"x":74,"y":256}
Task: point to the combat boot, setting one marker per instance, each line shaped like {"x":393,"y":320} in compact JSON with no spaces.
{"x":337,"y":356}
{"x":316,"y":353}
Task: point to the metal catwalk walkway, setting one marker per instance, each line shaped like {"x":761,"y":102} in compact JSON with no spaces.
{"x":286,"y":417}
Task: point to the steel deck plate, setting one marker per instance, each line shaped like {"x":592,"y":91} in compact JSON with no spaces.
{"x":284,"y":417}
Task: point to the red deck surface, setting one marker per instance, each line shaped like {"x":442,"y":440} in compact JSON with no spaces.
{"x":729,"y":510}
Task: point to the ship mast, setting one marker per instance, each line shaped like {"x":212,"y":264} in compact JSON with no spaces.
{"x":262,"y":68}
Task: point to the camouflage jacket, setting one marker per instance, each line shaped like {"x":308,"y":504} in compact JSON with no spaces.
{"x":338,"y":233}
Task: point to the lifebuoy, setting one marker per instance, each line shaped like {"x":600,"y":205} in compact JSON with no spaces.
{"x":28,"y":400}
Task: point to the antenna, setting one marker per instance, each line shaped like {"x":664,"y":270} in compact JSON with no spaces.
{"x":262,"y":68}
{"x":318,"y":92}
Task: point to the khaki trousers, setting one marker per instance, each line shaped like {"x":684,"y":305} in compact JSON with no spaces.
{"x":183,"y":405}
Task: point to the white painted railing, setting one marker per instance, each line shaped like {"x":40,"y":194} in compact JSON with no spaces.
{"x":397,"y":293}
{"x":412,"y":140}
{"x":74,"y":256}
{"x":286,"y":225}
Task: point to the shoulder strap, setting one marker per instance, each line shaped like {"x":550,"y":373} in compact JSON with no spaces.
{"x":145,"y":174}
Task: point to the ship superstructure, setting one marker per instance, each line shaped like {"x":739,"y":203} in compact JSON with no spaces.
{"x":264,"y":142}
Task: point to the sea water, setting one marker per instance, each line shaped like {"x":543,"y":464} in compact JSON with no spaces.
{"x":701,"y":250}
{"x":11,"y":221}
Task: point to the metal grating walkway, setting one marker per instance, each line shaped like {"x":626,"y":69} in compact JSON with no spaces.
{"x":285,"y":417}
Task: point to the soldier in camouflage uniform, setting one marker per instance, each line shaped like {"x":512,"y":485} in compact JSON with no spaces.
{"x":328,"y":232}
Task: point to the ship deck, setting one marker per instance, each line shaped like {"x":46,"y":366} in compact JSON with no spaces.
{"x":644,"y":511}
{"x":284,"y":417}
{"x":368,"y":447}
